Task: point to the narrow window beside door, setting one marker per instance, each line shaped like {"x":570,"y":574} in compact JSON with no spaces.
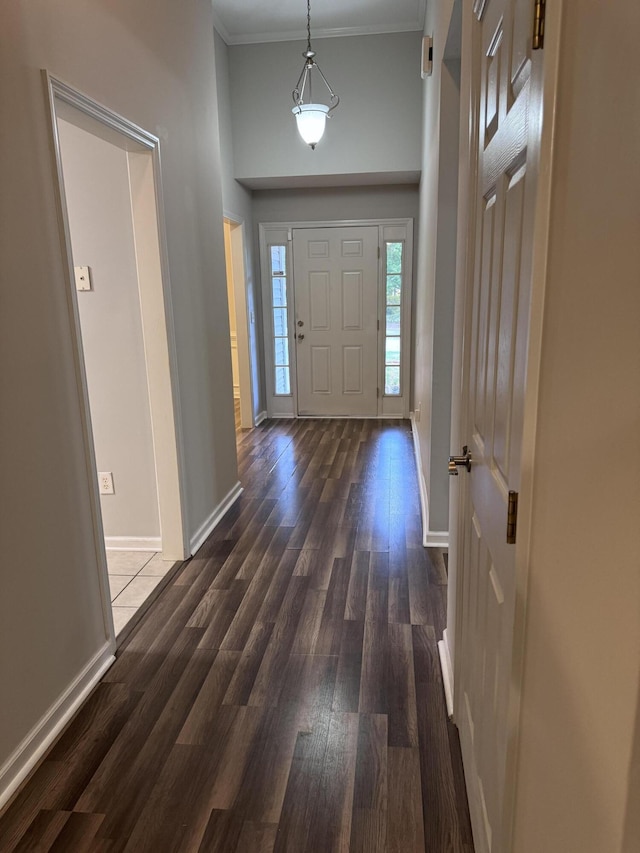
{"x":280,"y":317}
{"x":393,"y":314}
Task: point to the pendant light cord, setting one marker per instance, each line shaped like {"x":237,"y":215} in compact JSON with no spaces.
{"x":309,"y":25}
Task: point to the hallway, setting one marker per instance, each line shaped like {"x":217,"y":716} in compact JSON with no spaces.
{"x":284,"y":692}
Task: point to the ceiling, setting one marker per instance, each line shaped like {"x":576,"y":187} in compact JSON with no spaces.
{"x":250,"y":21}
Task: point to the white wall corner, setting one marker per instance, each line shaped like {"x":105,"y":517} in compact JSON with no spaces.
{"x":260,"y":418}
{"x":447,"y":671}
{"x":210,"y":523}
{"x":35,"y":745}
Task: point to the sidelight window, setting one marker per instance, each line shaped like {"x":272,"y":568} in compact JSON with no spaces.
{"x":393,"y":317}
{"x":280,"y":320}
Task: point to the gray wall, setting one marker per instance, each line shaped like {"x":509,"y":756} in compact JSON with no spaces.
{"x":96,"y":179}
{"x":375,"y":130}
{"x":436,"y":272}
{"x":158,"y":71}
{"x":238,"y":205}
{"x":317,"y":204}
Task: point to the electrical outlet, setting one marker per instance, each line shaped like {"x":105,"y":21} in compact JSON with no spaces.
{"x":105,"y":482}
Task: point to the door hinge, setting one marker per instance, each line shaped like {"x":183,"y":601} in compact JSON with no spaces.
{"x":378,"y":325}
{"x":378,"y":252}
{"x":538,"y":25}
{"x":512,"y":518}
{"x":377,"y":392}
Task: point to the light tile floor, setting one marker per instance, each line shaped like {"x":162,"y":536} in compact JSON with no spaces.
{"x":133,"y":575}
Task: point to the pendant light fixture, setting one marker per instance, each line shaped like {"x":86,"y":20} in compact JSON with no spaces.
{"x":311,"y":117}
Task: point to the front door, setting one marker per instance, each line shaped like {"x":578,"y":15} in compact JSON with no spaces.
{"x":509,"y":120}
{"x":336,"y":300}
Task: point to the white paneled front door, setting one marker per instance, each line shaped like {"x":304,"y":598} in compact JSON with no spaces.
{"x":336,"y":302}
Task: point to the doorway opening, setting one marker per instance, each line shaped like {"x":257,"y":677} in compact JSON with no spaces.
{"x":110,"y":204}
{"x":240,"y":323}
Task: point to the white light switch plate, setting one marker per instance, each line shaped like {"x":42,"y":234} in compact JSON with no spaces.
{"x":83,"y":278}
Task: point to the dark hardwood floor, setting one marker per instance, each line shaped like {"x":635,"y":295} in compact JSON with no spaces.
{"x":284,"y":692}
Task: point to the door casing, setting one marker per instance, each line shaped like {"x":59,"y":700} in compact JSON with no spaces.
{"x":156,"y":305}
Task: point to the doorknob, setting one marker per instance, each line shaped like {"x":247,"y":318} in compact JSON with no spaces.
{"x":300,"y":323}
{"x":300,"y":337}
{"x":460,"y":461}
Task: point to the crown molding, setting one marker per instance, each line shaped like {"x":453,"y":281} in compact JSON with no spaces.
{"x":416,"y":25}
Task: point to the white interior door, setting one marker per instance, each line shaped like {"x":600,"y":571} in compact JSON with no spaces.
{"x":336,"y":303}
{"x":499,"y":302}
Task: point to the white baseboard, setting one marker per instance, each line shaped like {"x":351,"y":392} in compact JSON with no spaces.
{"x":424,"y":500}
{"x":133,"y":543}
{"x":430,"y":538}
{"x":35,"y":745}
{"x":447,"y":671}
{"x":214,"y":519}
{"x":259,"y":418}
{"x":436,"y":539}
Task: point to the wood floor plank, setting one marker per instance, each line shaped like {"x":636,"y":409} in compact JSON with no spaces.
{"x":257,"y":837}
{"x":27,"y":804}
{"x":419,"y":594}
{"x":222,"y":833}
{"x":235,"y":756}
{"x":77,"y":834}
{"x":262,"y":790}
{"x":378,"y":588}
{"x":42,"y":832}
{"x":371,"y":792}
{"x":272,"y":605}
{"x":204,"y":708}
{"x":303,"y":787}
{"x":309,"y":625}
{"x":246,"y":670}
{"x":329,"y":828}
{"x":124,"y":779}
{"x":440,"y":797}
{"x":87,"y":741}
{"x":272,"y":671}
{"x":346,"y":696}
{"x":368,"y":831}
{"x":425,"y":655}
{"x":253,"y":598}
{"x":401,"y":699}
{"x":220,"y":617}
{"x":356,"y":604}
{"x":283,"y":693}
{"x":330,"y":630}
{"x":405,"y":829}
{"x":373,"y":680}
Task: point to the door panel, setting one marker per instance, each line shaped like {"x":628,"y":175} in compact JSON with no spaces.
{"x":499,"y":305}
{"x":336,"y":296}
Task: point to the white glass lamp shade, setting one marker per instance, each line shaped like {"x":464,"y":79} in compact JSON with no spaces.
{"x":311,"y":120}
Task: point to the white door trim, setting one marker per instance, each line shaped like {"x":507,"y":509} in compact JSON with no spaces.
{"x":143,"y":150}
{"x":280,"y":233}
